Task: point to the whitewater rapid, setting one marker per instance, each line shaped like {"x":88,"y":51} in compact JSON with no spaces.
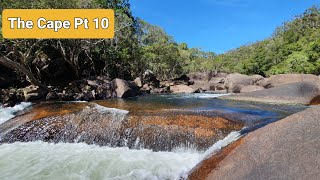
{"x":9,"y":112}
{"x":41,"y":160}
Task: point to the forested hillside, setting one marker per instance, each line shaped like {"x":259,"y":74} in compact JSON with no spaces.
{"x":139,"y":46}
{"x":136,"y":47}
{"x":293,"y":48}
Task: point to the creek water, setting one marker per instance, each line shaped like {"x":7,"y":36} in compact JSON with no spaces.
{"x":125,"y":138}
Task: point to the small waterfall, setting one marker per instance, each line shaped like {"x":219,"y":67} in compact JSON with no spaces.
{"x":41,"y":160}
{"x":155,"y":140}
{"x":96,"y":124}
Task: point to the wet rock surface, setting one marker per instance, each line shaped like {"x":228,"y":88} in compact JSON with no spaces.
{"x":157,"y":122}
{"x":94,"y":124}
{"x":171,"y":131}
{"x":90,"y":125}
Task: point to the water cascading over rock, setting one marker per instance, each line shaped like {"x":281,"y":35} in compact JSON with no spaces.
{"x":94,"y":124}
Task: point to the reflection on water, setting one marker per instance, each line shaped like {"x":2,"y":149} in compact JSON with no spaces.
{"x":205,"y":104}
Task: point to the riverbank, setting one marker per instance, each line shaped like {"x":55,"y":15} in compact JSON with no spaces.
{"x":280,"y":89}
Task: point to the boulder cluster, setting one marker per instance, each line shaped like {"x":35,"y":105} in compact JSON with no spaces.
{"x":92,"y":88}
{"x":284,"y":88}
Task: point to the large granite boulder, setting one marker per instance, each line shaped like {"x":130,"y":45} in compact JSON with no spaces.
{"x":282,"y":79}
{"x":206,"y":81}
{"x":294,"y":93}
{"x":181,"y":89}
{"x":138,"y":82}
{"x":251,"y":88}
{"x":287,"y":149}
{"x":234,"y":82}
{"x":95,"y":87}
{"x":124,"y":89}
{"x":184,"y":79}
{"x":200,"y":76}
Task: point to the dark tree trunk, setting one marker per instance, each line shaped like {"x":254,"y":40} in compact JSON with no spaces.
{"x":16,"y":66}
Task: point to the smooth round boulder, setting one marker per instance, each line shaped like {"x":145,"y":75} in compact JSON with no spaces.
{"x":124,"y":89}
{"x":294,"y":93}
{"x":251,"y":88}
{"x":282,"y":79}
{"x":235,"y":82}
{"x":138,"y":82}
{"x":181,"y":89}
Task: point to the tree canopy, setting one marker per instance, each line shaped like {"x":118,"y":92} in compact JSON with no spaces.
{"x":139,"y":46}
{"x":294,"y":48}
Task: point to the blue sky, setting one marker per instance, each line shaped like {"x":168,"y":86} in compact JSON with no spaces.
{"x":219,"y":25}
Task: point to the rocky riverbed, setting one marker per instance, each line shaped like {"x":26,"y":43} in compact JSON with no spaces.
{"x":168,"y":133}
{"x":285,"y":88}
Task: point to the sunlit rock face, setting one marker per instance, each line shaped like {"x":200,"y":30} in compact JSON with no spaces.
{"x":169,"y":131}
{"x":92,"y":124}
{"x":95,"y":124}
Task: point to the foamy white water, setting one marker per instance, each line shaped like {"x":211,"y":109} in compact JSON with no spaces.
{"x":39,"y":160}
{"x":205,"y":96}
{"x":9,"y":112}
{"x":195,"y":95}
{"x":232,"y":137}
{"x":111,"y":110}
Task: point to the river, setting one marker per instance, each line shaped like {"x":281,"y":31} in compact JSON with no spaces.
{"x":188,"y":122}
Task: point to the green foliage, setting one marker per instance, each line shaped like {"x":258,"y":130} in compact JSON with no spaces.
{"x":139,"y":46}
{"x":136,"y":47}
{"x":294,"y":48}
{"x":297,"y":62}
{"x":160,"y":53}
